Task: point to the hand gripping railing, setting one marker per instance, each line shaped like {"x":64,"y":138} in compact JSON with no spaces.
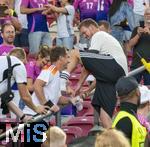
{"x":36,"y":118}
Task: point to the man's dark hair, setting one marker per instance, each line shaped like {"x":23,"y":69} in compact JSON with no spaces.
{"x":5,"y":25}
{"x":56,"y":52}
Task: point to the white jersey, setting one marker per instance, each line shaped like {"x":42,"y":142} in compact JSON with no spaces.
{"x":21,"y":17}
{"x":138,"y":7}
{"x":51,"y":76}
{"x":65,"y":23}
{"x":19,"y":74}
{"x":106,"y":44}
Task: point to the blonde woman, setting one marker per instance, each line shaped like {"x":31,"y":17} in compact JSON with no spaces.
{"x":56,"y":137}
{"x":111,"y":138}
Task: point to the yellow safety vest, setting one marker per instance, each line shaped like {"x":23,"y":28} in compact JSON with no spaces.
{"x":138,"y":131}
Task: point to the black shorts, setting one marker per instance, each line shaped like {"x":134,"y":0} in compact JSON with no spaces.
{"x":106,"y":71}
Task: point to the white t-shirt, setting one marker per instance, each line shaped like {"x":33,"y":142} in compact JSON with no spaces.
{"x":21,"y":17}
{"x":19,"y":74}
{"x":65,"y":23}
{"x":106,"y":44}
{"x":51,"y":90}
{"x":139,"y":8}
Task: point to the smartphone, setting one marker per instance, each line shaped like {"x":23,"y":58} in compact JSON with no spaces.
{"x":142,"y":24}
{"x":3,"y":8}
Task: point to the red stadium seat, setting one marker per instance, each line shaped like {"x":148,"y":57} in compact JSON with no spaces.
{"x":87,"y":109}
{"x":85,"y":123}
{"x":72,"y":132}
{"x":78,"y":69}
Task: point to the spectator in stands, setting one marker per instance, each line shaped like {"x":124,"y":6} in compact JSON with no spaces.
{"x":65,"y":15}
{"x":34,"y":67}
{"x":85,"y":9}
{"x":143,"y":109}
{"x":102,"y":9}
{"x":111,"y":138}
{"x":8,"y":35}
{"x":21,"y":38}
{"x":9,"y":15}
{"x":18,"y":57}
{"x":126,"y":120}
{"x":139,"y":7}
{"x":56,"y":137}
{"x":94,"y":9}
{"x":47,"y":84}
{"x":121,"y":13}
{"x":37,"y":23}
{"x":105,"y":56}
{"x":140,"y":43}
{"x":104,"y":26}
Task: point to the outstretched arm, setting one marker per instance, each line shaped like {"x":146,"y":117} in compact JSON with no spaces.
{"x":83,"y":76}
{"x":25,"y":95}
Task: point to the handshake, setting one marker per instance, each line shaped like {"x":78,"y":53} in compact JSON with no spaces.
{"x":76,"y":101}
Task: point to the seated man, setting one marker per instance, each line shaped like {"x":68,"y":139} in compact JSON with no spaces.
{"x":47,"y":84}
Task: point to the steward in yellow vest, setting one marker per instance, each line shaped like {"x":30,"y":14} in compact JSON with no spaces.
{"x":126,"y":121}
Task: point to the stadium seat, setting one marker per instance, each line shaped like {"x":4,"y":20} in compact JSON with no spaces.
{"x":85,"y":123}
{"x":78,"y":69}
{"x":72,"y":133}
{"x":87,"y":109}
{"x":74,"y":79}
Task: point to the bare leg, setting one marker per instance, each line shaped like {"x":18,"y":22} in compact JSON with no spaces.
{"x":105,"y":119}
{"x":74,"y":60}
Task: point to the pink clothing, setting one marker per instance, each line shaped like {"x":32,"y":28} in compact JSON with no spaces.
{"x":5,"y":49}
{"x":130,"y":2}
{"x":142,"y":119}
{"x":7,"y":19}
{"x":32,"y":69}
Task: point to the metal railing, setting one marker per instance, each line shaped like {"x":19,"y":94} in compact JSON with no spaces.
{"x":37,"y":118}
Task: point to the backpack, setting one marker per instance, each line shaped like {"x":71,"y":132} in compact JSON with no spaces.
{"x":7,"y":96}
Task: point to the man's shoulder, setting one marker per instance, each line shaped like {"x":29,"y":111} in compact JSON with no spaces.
{"x":50,"y":68}
{"x":15,"y":60}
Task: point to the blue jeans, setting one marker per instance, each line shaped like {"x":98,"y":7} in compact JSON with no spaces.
{"x":66,"y":42}
{"x":118,"y":33}
{"x":38,"y":38}
{"x":124,"y":12}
